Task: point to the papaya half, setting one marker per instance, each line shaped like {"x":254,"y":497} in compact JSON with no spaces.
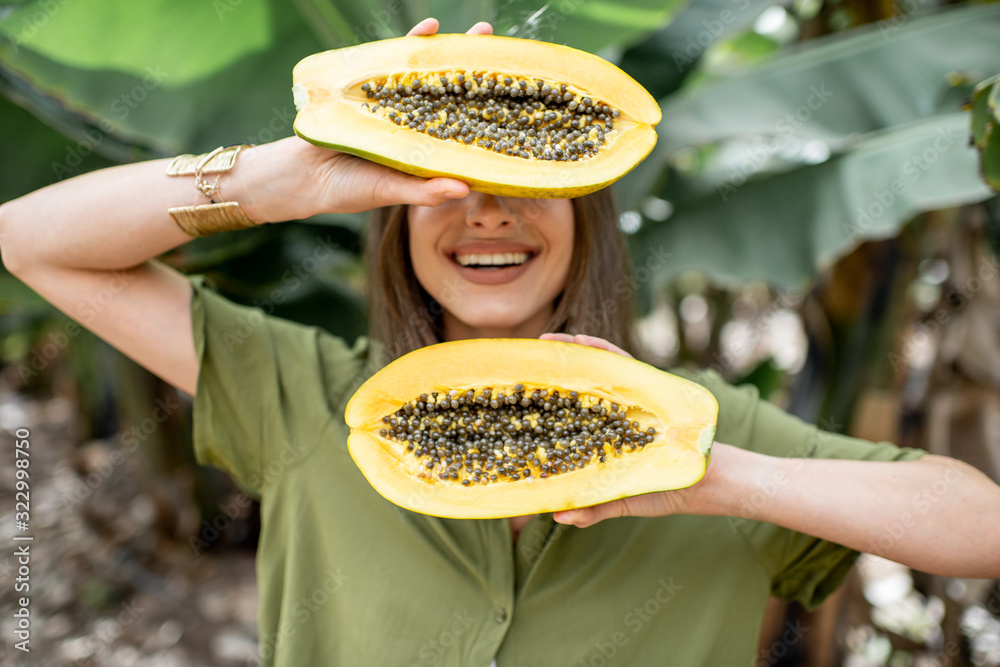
{"x":491,"y":428}
{"x":509,"y":116}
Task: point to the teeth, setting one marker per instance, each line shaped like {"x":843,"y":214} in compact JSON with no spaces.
{"x":493,"y":259}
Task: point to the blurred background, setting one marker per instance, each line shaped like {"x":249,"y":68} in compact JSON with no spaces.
{"x":816,"y":219}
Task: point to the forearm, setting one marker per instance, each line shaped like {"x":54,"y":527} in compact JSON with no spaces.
{"x":117,"y":218}
{"x":936,"y":514}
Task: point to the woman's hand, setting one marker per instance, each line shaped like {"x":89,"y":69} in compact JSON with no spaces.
{"x":335,"y":182}
{"x":651,"y":504}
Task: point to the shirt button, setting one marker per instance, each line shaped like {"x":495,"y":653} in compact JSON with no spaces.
{"x":500,"y":615}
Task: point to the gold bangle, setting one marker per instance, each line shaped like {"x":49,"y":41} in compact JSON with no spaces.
{"x":216,"y":217}
{"x":209,"y":219}
{"x":219,"y":160}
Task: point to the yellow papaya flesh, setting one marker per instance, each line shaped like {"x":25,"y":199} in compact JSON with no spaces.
{"x":508,"y":116}
{"x":495,"y":428}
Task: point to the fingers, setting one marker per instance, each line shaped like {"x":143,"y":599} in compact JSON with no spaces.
{"x":588,"y":516}
{"x":426,"y":27}
{"x":406,"y":189}
{"x":439,"y":190}
{"x":429,"y":26}
{"x":481,"y":28}
{"x":589,"y":341}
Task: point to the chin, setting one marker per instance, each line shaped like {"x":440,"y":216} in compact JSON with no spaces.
{"x":492,"y":319}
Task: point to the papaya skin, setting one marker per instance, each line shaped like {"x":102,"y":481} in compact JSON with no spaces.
{"x":683,"y":413}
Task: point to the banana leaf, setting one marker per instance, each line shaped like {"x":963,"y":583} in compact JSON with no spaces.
{"x":858,"y":81}
{"x":985,"y":109}
{"x":767,"y":192}
{"x":662,"y":61}
{"x":787,"y":227}
{"x":170,"y":76}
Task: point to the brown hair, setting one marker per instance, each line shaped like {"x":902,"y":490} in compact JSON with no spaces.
{"x":597,"y":299}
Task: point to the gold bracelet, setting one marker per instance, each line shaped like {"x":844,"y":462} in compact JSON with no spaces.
{"x":220,"y":160}
{"x":209,"y":219}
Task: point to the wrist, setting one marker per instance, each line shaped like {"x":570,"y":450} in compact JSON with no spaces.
{"x":267,"y":182}
{"x":738,"y":483}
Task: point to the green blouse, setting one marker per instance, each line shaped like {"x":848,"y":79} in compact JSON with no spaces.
{"x":347,"y":578}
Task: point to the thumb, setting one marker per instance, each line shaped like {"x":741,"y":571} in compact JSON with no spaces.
{"x":429,"y":192}
{"x":588,"y":516}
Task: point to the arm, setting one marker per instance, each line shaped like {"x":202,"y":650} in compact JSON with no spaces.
{"x":935,"y":514}
{"x":87,"y":244}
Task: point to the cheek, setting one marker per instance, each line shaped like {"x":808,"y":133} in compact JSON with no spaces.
{"x":421,"y":244}
{"x":563,"y":238}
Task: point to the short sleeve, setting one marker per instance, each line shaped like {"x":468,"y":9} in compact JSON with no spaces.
{"x":802,"y":567}
{"x":267,"y":387}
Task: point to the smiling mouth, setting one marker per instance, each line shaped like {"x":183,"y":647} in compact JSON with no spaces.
{"x":489,"y":261}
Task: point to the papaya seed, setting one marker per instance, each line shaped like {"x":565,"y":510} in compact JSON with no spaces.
{"x":540,"y":129}
{"x":503,"y":435}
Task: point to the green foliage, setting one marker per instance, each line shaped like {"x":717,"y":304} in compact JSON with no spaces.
{"x":35,"y":155}
{"x":662,"y":62}
{"x":777,"y":190}
{"x":590,"y":25}
{"x":835,"y":141}
{"x":985,"y":109}
{"x":786,"y":227}
{"x":188,"y":85}
{"x":189,"y":40}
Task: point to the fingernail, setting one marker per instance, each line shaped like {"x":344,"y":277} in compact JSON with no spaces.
{"x":453,"y":194}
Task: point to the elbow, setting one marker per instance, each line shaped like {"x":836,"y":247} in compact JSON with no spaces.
{"x":9,"y":254}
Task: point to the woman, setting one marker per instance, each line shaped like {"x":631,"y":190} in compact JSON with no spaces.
{"x":345,"y":577}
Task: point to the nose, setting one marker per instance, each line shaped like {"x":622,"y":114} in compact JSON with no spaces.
{"x":488,"y":212}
